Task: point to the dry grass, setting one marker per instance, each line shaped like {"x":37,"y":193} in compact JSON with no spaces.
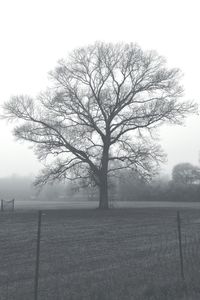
{"x":119,"y":254}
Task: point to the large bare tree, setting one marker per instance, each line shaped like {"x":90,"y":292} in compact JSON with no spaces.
{"x":100,"y":114}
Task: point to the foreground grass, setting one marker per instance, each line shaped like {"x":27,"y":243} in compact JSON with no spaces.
{"x":89,"y":254}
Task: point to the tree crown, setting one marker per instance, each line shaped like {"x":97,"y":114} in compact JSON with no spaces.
{"x":105,"y":103}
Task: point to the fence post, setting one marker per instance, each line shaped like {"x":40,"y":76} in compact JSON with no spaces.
{"x":180,"y":245}
{"x":13,"y":204}
{"x":37,"y":262}
{"x":1,"y":204}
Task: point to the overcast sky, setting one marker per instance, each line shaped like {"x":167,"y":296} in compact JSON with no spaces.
{"x":35,"y":34}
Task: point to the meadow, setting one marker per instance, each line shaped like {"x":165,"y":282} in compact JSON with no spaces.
{"x":87,"y":254}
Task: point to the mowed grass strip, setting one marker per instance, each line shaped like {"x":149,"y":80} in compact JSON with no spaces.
{"x":92,"y":254}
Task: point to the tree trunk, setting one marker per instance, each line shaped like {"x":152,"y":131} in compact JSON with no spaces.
{"x":103,"y":192}
{"x":103,"y":178}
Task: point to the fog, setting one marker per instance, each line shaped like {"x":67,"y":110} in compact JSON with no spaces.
{"x":35,"y":34}
{"x":21,"y":188}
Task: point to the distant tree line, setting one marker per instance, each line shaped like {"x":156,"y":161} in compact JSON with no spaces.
{"x":183,"y":186}
{"x":21,"y":188}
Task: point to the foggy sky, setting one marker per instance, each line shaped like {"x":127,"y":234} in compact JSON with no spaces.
{"x":36,"y":34}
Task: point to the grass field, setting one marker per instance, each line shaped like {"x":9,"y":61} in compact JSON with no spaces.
{"x":120,"y":254}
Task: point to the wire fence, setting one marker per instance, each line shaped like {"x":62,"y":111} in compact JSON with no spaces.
{"x":93,"y":255}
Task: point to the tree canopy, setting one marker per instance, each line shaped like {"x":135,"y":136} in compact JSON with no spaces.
{"x":100,"y":114}
{"x":186,"y":173}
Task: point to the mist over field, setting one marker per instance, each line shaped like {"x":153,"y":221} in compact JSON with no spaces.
{"x":127,"y":187}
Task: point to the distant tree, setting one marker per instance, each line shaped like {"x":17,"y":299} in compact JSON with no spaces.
{"x":101,"y":114}
{"x":186,"y":173}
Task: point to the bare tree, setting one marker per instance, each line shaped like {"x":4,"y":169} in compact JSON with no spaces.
{"x":99,"y":117}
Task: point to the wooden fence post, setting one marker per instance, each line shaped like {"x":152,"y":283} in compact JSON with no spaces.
{"x":180,"y":245}
{"x":13,"y":204}
{"x":37,"y":262}
{"x":1,"y":204}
